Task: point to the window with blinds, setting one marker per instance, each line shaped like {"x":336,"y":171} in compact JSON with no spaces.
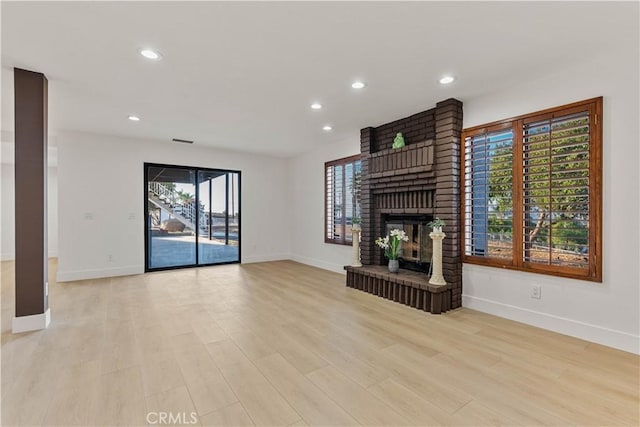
{"x":489,"y":194}
{"x":532,"y":192}
{"x":342,"y":198}
{"x":555,"y":188}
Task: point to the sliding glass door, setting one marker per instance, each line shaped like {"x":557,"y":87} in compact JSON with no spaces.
{"x":193,"y":216}
{"x":218,"y":239}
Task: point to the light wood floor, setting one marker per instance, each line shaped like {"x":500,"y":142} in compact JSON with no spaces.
{"x":286,"y":344}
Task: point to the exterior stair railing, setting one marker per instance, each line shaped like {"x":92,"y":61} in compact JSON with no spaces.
{"x":168,"y":200}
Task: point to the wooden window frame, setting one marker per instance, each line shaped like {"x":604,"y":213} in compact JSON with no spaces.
{"x":339,"y":162}
{"x":594,"y":270}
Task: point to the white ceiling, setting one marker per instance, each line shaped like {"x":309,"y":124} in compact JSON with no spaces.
{"x":242,"y":75}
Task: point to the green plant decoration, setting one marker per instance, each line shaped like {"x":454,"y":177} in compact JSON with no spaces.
{"x":398,"y":141}
{"x":436,"y":223}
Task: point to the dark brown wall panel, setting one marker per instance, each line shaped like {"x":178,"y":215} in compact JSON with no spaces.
{"x":30,"y":191}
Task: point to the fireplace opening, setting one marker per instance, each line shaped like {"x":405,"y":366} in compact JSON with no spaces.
{"x":416,"y":253}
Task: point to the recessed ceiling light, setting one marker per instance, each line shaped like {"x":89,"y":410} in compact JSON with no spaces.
{"x":150,"y":54}
{"x":358,"y":85}
{"x":446,"y":80}
{"x":327,"y":128}
{"x":316,"y":106}
{"x":134,"y":118}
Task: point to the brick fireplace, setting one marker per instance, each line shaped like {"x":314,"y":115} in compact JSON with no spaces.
{"x":411,"y":185}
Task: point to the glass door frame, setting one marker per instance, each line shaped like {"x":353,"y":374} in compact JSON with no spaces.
{"x":196,"y":171}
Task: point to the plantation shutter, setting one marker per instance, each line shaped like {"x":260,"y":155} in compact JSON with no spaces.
{"x":555,"y":187}
{"x":488,"y":194}
{"x":335,"y":202}
{"x":349,"y":171}
{"x":342,"y":194}
{"x":328,"y":194}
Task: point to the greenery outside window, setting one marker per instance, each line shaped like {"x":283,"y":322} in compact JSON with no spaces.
{"x":342,"y":198}
{"x":531,"y":198}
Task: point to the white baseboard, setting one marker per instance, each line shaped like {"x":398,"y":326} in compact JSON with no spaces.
{"x":264,"y":258}
{"x":336,"y":268}
{"x":34,"y":322}
{"x":70,"y":276}
{"x":598,"y":334}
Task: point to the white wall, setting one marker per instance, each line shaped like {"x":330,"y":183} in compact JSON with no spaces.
{"x":7,"y":248}
{"x":7,"y":240}
{"x":606,"y":312}
{"x":306,"y":180}
{"x":52,"y":211}
{"x":103,"y":175}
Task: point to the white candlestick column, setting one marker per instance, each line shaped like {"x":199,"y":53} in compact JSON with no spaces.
{"x":355,"y":257}
{"x":437,"y":278}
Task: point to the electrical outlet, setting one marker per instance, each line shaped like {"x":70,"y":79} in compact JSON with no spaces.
{"x":110,"y":258}
{"x":536,"y":291}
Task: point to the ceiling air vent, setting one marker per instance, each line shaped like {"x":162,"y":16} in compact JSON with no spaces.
{"x":184,"y":141}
